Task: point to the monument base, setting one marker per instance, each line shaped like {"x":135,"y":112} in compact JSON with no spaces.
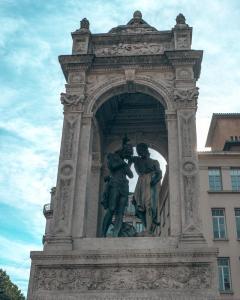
{"x":124,"y":268}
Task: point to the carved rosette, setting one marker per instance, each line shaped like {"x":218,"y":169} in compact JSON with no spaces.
{"x":72,"y":102}
{"x":186,"y":98}
{"x":79,"y":279}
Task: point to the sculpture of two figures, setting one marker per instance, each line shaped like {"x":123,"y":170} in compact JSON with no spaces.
{"x":115,"y":196}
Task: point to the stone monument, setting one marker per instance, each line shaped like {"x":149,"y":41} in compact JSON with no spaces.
{"x":138,"y":81}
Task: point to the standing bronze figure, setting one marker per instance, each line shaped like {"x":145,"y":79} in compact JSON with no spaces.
{"x":147,"y":189}
{"x":115,"y":196}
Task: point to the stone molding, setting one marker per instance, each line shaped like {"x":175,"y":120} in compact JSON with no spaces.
{"x":157,"y":295}
{"x":71,"y":63}
{"x":134,"y":253}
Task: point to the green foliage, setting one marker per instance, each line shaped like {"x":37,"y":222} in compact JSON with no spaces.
{"x":8,"y":290}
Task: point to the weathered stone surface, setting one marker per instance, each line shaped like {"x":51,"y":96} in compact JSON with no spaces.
{"x":113,"y":270}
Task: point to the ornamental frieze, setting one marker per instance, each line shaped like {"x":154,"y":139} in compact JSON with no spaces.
{"x":133,"y":49}
{"x":75,"y":278}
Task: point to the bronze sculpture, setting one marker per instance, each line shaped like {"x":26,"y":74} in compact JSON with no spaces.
{"x":147,"y":189}
{"x":115,"y":196}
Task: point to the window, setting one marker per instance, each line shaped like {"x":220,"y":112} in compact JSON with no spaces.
{"x":224,"y":274}
{"x":215,"y":180}
{"x":237,"y":216}
{"x":219,"y":226}
{"x":235,"y":178}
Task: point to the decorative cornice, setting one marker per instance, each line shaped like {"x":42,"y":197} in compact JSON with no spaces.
{"x":134,"y":253}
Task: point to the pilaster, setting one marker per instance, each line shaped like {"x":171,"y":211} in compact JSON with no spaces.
{"x":186,"y":104}
{"x":173,"y":165}
{"x":82,"y":176}
{"x":61,"y":235}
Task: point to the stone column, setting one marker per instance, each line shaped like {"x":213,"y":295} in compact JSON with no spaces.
{"x":61,"y":236}
{"x":82,"y":177}
{"x":186,"y":105}
{"x":93,"y":197}
{"x":173,"y":165}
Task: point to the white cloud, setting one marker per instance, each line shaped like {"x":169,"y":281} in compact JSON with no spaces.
{"x":17,"y":252}
{"x":10,"y":26}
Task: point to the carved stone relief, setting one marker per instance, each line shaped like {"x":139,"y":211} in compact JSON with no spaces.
{"x":130,"y":74}
{"x":184,"y":74}
{"x":183,"y":40}
{"x":189,"y":167}
{"x":133,"y":49}
{"x":70,"y":125}
{"x":75,"y":278}
{"x":66,"y":170}
{"x":80,"y":44}
{"x":189,"y":187}
{"x":73,"y":101}
{"x":63,"y":204}
{"x":184,"y":98}
{"x":76,"y":77}
{"x":186,"y":131}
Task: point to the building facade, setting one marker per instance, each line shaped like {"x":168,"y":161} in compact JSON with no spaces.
{"x":220,"y":198}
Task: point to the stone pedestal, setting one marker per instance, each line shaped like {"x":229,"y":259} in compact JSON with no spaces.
{"x":124,"y":268}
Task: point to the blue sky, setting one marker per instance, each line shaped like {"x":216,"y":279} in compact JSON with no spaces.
{"x":32,"y":35}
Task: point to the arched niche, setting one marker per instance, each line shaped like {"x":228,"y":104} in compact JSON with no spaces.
{"x":139,"y":115}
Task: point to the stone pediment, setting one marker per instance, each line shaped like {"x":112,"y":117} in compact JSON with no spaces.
{"x":136,"y":26}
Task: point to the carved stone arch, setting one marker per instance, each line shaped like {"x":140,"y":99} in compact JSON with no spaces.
{"x":119,"y":86}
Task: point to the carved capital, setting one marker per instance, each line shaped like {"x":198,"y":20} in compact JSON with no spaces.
{"x":72,"y":102}
{"x":186,"y":97}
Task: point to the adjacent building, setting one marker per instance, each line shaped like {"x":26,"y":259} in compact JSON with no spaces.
{"x":219,"y":171}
